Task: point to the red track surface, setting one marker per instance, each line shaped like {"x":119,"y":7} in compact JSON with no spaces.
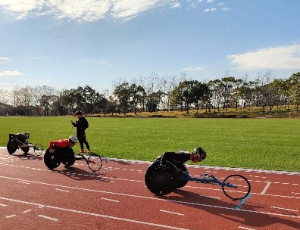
{"x":33,"y":197}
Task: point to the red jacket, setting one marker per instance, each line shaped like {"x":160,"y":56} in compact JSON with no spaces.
{"x":59,"y":143}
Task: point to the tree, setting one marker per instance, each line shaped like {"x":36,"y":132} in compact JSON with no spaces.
{"x":123,"y":93}
{"x":295,"y":89}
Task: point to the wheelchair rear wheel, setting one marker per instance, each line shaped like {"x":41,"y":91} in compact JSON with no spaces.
{"x":52,"y":160}
{"x":161,"y":179}
{"x":11,"y":147}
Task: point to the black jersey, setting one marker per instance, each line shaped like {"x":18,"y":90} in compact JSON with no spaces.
{"x":175,"y":157}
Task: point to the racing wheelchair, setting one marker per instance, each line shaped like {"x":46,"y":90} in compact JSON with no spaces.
{"x":162,"y":178}
{"x":20,"y":140}
{"x":52,"y":159}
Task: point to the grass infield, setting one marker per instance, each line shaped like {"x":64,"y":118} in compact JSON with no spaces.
{"x":248,"y":143}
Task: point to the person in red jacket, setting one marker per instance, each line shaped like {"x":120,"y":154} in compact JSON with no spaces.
{"x":64,"y":143}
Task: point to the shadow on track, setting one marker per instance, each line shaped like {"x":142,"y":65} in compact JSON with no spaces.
{"x":80,"y":174}
{"x":250,"y":214}
{"x":28,"y":156}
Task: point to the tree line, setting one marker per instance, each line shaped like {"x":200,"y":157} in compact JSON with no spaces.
{"x":154,"y":93}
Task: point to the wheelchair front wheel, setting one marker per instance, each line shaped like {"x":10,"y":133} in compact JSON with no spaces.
{"x":94,"y":162}
{"x":38,"y":149}
{"x":236,"y":187}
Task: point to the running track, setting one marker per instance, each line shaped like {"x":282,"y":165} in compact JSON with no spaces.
{"x":33,"y":197}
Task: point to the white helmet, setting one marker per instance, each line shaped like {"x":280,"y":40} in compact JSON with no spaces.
{"x":73,"y":139}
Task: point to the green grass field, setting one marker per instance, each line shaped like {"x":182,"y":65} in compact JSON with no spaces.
{"x":248,"y":143}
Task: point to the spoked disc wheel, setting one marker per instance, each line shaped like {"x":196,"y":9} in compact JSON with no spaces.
{"x":38,"y":149}
{"x":161,"y":179}
{"x":11,"y":147}
{"x":52,"y":160}
{"x":94,"y":162}
{"x":236,"y":187}
{"x":68,"y":157}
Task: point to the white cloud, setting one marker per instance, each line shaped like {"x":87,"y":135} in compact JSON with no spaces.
{"x":175,"y":5}
{"x":4,"y":60}
{"x":83,"y":10}
{"x":131,"y":8}
{"x":283,"y":57}
{"x":10,"y":73}
{"x":225,"y":9}
{"x":208,"y":10}
{"x":91,"y":10}
{"x":21,"y":9}
{"x":193,"y":69}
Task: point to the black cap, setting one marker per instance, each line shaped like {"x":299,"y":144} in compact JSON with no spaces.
{"x":78,"y":113}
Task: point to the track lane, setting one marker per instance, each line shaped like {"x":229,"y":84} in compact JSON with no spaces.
{"x":123,"y":181}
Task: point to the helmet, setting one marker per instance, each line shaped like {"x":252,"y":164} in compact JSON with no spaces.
{"x":200,"y":151}
{"x":78,"y":113}
{"x":73,"y":139}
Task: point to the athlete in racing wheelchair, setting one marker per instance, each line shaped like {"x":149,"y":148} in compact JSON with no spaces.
{"x":20,"y":140}
{"x":163,"y":176}
{"x":60,"y":151}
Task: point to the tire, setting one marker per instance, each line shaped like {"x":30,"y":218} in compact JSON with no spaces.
{"x":161,"y":179}
{"x":52,"y":160}
{"x":11,"y":147}
{"x":68,"y":157}
{"x":25,"y":149}
{"x":182,"y":183}
{"x":94,"y":162}
{"x":236,"y":187}
{"x":38,"y":149}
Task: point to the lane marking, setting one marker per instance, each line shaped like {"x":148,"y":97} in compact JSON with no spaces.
{"x":48,"y":218}
{"x":3,"y":205}
{"x":263,"y":192}
{"x":29,"y":210}
{"x":61,"y":190}
{"x":285,"y":209}
{"x":174,"y":213}
{"x":110,"y":199}
{"x":241,"y":227}
{"x":23,"y":182}
{"x":11,"y":216}
{"x":289,"y":173}
{"x":296,"y":193}
{"x":93,"y":214}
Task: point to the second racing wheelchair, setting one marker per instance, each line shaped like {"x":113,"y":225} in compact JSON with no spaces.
{"x":20,"y":141}
{"x":164,"y":177}
{"x":53,"y":158}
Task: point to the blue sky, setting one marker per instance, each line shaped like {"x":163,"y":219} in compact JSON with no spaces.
{"x":66,"y":43}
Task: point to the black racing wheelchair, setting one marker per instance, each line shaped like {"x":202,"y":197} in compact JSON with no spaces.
{"x":163,"y":178}
{"x":52,"y":159}
{"x":20,"y":141}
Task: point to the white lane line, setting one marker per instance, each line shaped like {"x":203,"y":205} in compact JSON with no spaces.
{"x":265,"y":188}
{"x":61,"y":190}
{"x":29,"y":210}
{"x":11,"y":216}
{"x":23,"y":182}
{"x":94,"y":214}
{"x":285,"y":209}
{"x":296,"y":193}
{"x":110,"y":200}
{"x":174,"y":213}
{"x":3,"y":205}
{"x":48,"y":218}
{"x":241,"y":227}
